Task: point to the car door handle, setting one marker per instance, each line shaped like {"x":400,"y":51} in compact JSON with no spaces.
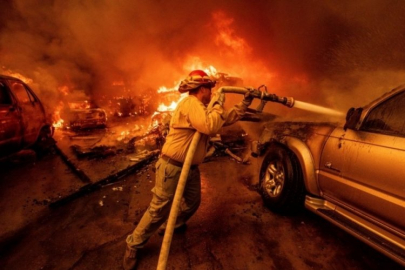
{"x":329,"y":166}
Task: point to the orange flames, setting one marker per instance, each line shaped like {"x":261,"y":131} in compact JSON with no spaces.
{"x":231,"y":45}
{"x":164,"y":108}
{"x":64,"y":90}
{"x":170,"y":97}
{"x":18,"y":75}
{"x":226,"y":35}
{"x":58,"y":121}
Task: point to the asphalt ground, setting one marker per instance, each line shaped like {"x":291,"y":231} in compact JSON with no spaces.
{"x":231,"y":230}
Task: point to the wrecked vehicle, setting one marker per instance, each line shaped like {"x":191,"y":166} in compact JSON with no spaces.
{"x":23,"y":121}
{"x":351,"y":175}
{"x":83,"y":115}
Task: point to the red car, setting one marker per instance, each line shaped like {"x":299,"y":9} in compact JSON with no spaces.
{"x":23,"y":122}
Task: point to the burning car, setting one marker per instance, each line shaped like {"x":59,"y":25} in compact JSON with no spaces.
{"x":23,"y":122}
{"x":352,"y":174}
{"x":83,"y":115}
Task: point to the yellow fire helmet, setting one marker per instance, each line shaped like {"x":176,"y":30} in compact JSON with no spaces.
{"x":195,"y":79}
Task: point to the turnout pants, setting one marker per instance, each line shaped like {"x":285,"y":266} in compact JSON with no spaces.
{"x":167,"y":177}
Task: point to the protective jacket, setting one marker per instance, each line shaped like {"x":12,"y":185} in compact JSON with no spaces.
{"x":192,"y":115}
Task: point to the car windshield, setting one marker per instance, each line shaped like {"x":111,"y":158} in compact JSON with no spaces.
{"x":388,"y":117}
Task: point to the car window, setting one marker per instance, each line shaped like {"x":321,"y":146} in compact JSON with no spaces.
{"x":22,"y":93}
{"x":32,"y":97}
{"x":4,"y":95}
{"x":388,"y":117}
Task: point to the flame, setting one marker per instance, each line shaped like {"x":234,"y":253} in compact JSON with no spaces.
{"x":58,"y":124}
{"x":226,"y":35}
{"x":171,"y":107}
{"x":211,"y":71}
{"x":57,"y":120}
{"x":18,"y":75}
{"x":64,"y":90}
{"x":164,"y":89}
{"x":171,"y":96}
{"x":80,"y":105}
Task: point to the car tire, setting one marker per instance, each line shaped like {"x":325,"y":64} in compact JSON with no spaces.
{"x":44,"y":141}
{"x":281,"y":182}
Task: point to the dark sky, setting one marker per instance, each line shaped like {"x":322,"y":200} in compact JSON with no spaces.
{"x":328,"y":52}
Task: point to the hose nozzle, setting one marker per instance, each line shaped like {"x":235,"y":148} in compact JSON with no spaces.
{"x":287,"y":101}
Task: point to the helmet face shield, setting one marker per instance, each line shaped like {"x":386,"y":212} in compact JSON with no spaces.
{"x":194,"y":80}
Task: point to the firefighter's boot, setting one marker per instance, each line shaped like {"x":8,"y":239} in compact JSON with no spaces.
{"x":130,"y":258}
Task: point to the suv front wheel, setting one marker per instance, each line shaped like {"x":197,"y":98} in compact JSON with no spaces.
{"x":281,"y":183}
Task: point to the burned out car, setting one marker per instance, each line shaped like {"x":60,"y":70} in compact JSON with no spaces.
{"x":83,"y":114}
{"x":23,"y":121}
{"x":352,"y":175}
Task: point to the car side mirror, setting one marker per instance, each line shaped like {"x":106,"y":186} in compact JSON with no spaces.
{"x":352,"y":118}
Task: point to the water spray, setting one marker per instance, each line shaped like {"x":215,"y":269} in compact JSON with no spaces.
{"x":316,"y":108}
{"x":287,"y":101}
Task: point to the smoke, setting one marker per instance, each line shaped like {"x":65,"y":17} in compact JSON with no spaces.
{"x":330,"y":53}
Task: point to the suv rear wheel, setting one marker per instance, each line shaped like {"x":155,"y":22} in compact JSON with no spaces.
{"x":281,"y":183}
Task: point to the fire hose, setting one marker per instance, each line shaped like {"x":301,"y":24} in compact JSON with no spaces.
{"x":167,"y":239}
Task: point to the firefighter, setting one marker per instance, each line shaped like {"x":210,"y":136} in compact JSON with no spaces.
{"x":191,"y":115}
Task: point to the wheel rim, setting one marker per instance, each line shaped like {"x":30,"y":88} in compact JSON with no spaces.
{"x":274,"y":179}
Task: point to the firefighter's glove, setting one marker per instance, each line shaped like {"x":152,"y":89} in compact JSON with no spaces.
{"x":218,"y":98}
{"x":248,"y":98}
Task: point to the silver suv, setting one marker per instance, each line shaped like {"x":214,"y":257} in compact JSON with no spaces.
{"x":352,"y":175}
